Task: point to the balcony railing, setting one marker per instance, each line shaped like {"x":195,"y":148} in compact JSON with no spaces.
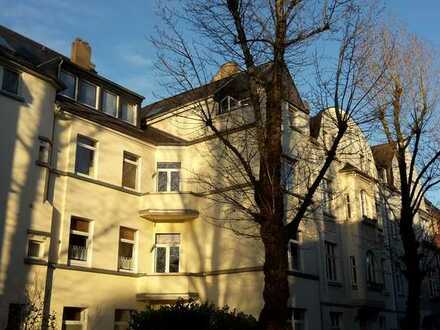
{"x":126,"y":263}
{"x":77,"y":252}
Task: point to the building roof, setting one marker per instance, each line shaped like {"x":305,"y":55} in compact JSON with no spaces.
{"x":236,"y":82}
{"x":40,"y":58}
{"x":383,"y":154}
{"x":148,"y":134}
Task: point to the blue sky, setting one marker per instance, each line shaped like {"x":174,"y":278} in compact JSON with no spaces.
{"x":118,"y":30}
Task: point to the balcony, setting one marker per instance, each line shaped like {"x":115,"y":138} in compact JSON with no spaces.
{"x":169,"y":206}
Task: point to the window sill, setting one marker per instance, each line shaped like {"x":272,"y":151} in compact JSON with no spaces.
{"x":35,"y":261}
{"x":73,"y":262}
{"x":335,"y":284}
{"x":12,"y":96}
{"x":123,"y":270}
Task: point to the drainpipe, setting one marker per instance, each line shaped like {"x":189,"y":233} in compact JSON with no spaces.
{"x":52,"y":244}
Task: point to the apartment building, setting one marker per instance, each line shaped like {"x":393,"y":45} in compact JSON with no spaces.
{"x":105,"y":207}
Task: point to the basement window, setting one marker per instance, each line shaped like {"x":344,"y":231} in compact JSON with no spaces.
{"x":74,"y":318}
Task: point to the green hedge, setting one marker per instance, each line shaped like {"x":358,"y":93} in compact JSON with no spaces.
{"x":192,"y":315}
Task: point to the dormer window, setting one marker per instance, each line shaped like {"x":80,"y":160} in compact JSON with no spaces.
{"x":87,"y":93}
{"x":69,"y":81}
{"x":227,"y":104}
{"x":110,"y":103}
{"x":128,"y":112}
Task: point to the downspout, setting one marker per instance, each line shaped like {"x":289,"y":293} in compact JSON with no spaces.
{"x":50,"y":198}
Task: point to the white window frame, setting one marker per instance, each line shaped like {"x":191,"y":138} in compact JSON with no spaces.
{"x":230,"y":108}
{"x":339,"y":316}
{"x":135,"y":109}
{"x":303,"y":322}
{"x":167,"y":254}
{"x":95,"y":155}
{"x":364,"y":204}
{"x":88,"y":235}
{"x":75,"y":88}
{"x":41,"y":243}
{"x":353,"y":272}
{"x":296,"y":242}
{"x":169,"y":171}
{"x":134,"y":251}
{"x":132,"y":162}
{"x":106,"y":91}
{"x":78,"y":96}
{"x":82,"y":322}
{"x":331,"y":274}
{"x":326,"y":196}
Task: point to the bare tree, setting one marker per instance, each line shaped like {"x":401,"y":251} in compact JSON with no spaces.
{"x":407,"y":110}
{"x":265,"y":38}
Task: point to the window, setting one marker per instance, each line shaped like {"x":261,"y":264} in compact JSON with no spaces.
{"x":326,"y":195}
{"x":371,"y":268}
{"x":434,"y":285}
{"x":382,"y":323}
{"x":87,"y":93}
{"x":299,"y":319}
{"x":74,"y":318}
{"x":354,"y":280}
{"x":127,"y":248}
{"x":44,"y":151}
{"x":330,"y":249}
{"x":69,"y":81}
{"x":129,"y":171}
{"x":227,"y":104}
{"x":383,"y":271}
{"x":15,"y":316}
{"x":167,"y":253}
{"x":364,"y":207}
{"x":122,"y":319}
{"x":10,"y":81}
{"x":85,"y":156}
{"x":34,"y":249}
{"x":335,"y":321}
{"x":348,"y":206}
{"x":79,"y":240}
{"x":399,"y":279}
{"x":288,"y":174}
{"x":168,"y":176}
{"x":294,"y":254}
{"x":110,"y":103}
{"x":128,"y":112}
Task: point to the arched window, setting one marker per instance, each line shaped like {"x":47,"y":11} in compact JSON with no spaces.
{"x":364,"y":206}
{"x":371,"y":268}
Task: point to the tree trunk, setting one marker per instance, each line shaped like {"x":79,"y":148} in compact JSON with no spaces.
{"x":412,"y":319}
{"x":276,"y":288}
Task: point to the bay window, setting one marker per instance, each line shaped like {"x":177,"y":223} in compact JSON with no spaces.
{"x":167,"y":257}
{"x":168,"y":176}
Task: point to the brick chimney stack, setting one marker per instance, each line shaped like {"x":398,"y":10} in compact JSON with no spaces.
{"x":82,"y":54}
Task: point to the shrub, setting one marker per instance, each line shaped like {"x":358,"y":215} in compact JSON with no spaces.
{"x":192,"y":315}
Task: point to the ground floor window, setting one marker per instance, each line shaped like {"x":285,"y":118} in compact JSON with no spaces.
{"x":335,"y":321}
{"x":299,"y":319}
{"x":122,"y":319}
{"x":74,"y":318}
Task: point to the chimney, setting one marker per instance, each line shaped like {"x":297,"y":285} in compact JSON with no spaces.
{"x":82,"y":54}
{"x":226,"y":70}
